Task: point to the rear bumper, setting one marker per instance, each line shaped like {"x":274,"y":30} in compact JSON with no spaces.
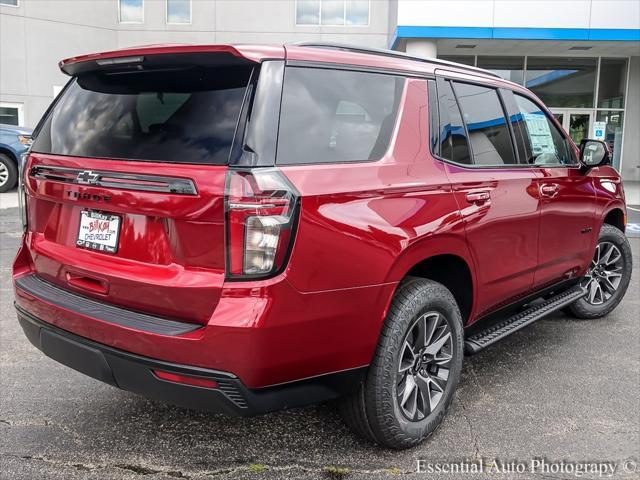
{"x":134,"y":373}
{"x":266,"y":333}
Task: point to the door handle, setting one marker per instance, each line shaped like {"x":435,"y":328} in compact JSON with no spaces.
{"x":548,"y":189}
{"x":478,"y":198}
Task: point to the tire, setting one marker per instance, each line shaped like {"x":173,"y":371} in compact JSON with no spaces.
{"x":376,"y":411}
{"x":8,"y":173}
{"x":611,"y":273}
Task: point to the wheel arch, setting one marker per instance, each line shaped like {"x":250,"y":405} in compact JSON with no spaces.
{"x":445,"y":260}
{"x":616,"y":217}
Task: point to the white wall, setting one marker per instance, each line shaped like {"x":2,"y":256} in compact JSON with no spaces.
{"x":521,"y":13}
{"x":36,"y":35}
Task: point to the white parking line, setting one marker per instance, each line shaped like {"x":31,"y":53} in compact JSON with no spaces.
{"x":633,"y":228}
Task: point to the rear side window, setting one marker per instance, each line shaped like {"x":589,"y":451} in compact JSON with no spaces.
{"x":184,"y":115}
{"x":542,"y":143}
{"x":334,"y":116}
{"x":486,"y":123}
{"x":453,"y":141}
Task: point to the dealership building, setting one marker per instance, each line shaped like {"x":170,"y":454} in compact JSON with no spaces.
{"x":581,"y":57}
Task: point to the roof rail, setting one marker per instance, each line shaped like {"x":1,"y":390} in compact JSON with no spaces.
{"x":391,"y":53}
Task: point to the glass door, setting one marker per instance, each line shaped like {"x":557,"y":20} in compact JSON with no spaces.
{"x":579,"y":126}
{"x":577,"y":123}
{"x":560,"y":117}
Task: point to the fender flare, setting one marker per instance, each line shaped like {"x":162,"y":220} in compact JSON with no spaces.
{"x":614,"y":204}
{"x":430,"y":247}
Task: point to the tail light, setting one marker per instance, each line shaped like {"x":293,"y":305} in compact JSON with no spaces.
{"x":261,"y":209}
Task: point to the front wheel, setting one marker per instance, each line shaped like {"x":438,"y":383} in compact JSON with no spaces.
{"x":608,"y":276}
{"x":415,"y":371}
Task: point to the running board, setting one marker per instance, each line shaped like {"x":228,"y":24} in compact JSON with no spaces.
{"x":484,"y":338}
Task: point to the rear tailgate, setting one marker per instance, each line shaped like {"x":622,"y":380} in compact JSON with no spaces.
{"x":170,"y":256}
{"x":139,"y":149}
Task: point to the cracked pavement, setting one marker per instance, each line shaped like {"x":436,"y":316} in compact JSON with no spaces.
{"x":561,"y":389}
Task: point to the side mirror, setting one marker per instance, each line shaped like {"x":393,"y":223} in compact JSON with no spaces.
{"x":594,"y":153}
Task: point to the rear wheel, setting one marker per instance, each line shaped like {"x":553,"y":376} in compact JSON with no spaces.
{"x":608,"y":276}
{"x":413,"y":376}
{"x":8,"y":173}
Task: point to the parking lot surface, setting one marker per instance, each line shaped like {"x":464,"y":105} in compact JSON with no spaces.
{"x":561,"y":389}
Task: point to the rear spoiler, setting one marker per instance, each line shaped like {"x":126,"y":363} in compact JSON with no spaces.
{"x":140,"y":58}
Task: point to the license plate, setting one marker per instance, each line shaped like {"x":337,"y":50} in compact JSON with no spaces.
{"x":98,"y":231}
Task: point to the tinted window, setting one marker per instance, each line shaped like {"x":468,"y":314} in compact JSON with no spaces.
{"x":453,"y":136}
{"x":336,"y":116}
{"x":543,"y":144}
{"x":488,"y":131}
{"x":173,"y":116}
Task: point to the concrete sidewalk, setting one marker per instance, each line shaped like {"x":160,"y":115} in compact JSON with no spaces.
{"x":632,"y":192}
{"x":9,"y":199}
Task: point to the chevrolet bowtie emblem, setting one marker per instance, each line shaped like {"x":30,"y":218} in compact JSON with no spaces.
{"x":87,"y":177}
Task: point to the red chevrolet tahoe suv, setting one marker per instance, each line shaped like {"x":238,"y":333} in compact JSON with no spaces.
{"x":248,"y":228}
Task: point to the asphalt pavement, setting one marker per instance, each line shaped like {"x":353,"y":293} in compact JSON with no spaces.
{"x":561,"y":390}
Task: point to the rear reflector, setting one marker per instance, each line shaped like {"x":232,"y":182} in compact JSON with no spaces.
{"x":186,"y":379}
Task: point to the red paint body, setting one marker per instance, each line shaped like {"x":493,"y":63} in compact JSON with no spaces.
{"x":362,"y":227}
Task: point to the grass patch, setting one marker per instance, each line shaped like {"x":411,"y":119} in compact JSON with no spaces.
{"x":257,"y":468}
{"x":335,"y":473}
{"x":394,"y":471}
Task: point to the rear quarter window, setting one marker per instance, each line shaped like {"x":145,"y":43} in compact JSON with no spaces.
{"x":336,"y":116}
{"x":179,"y":116}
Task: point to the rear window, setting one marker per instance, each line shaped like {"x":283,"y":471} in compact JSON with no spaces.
{"x":333,"y":116}
{"x":179,"y":115}
{"x":486,"y":123}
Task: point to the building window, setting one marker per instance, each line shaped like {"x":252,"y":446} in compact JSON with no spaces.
{"x":9,"y":3}
{"x":11,"y":114}
{"x":131,"y":11}
{"x":612,"y":132}
{"x":613,"y":77}
{"x":179,"y":12}
{"x":563,"y":82}
{"x":463,"y":59}
{"x":332,"y":12}
{"x":509,"y":68}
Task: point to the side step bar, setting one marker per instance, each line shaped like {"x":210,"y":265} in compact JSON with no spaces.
{"x":484,"y":338}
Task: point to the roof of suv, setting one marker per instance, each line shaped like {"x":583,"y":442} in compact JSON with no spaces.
{"x":306,"y":51}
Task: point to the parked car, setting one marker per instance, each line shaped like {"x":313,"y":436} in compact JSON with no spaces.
{"x":244,"y":229}
{"x":14,"y":141}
